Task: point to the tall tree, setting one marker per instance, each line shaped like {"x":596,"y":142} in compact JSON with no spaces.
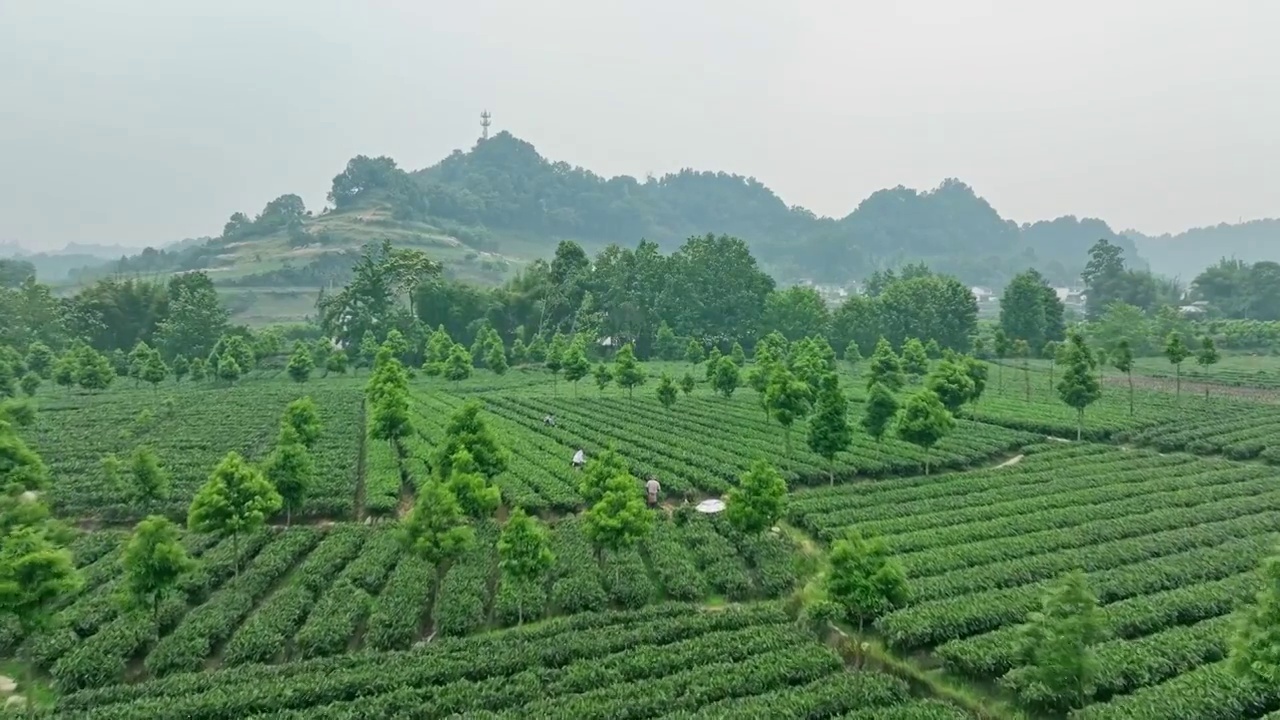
{"x":924,"y":421}
{"x":1122,"y":360}
{"x":1103,"y":275}
{"x":476,"y":497}
{"x":154,"y":560}
{"x":756,"y":503}
{"x":1207,"y":357}
{"x":885,"y":368}
{"x":667,"y":392}
{"x":458,"y":367}
{"x":829,"y":429}
{"x":576,"y":365}
{"x":864,"y":581}
{"x":627,"y":371}
{"x":235,"y":501}
{"x":555,"y":357}
{"x":915,"y":361}
{"x":1255,"y":642}
{"x":300,"y":363}
{"x":304,"y":418}
{"x":788,"y":399}
{"x":1078,"y":387}
{"x":150,"y":483}
{"x":619,"y":519}
{"x":1031,"y":311}
{"x":1176,"y":351}
{"x":1059,"y":663}
{"x":693,"y":354}
{"x":879,"y":412}
{"x":796,"y":312}
{"x":467,"y":430}
{"x":290,"y":470}
{"x":665,"y":344}
{"x":950,"y":381}
{"x":436,"y":529}
{"x":603,"y":376}
{"x":524,"y":555}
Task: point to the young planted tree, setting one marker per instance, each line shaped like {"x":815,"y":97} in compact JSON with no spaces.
{"x":137,"y":360}
{"x":524,"y":555}
{"x":467,"y":430}
{"x":235,"y":501}
{"x":555,"y":359}
{"x":367,"y":350}
{"x":687,"y":384}
{"x":40,"y":360}
{"x":1176,"y":351}
{"x":829,"y":429}
{"x":879,"y":412}
{"x":1207,"y":357}
{"x":665,"y":344}
{"x":477,"y":498}
{"x":1002,"y":346}
{"x":863,"y":581}
{"x":924,"y":421}
{"x":302,"y":416}
{"x":915,"y":361}
{"x":64,"y":372}
{"x":290,"y":470}
{"x":181,"y":368}
{"x":538,"y":350}
{"x":885,"y":368}
{"x":30,"y":384}
{"x":1058,"y":665}
{"x":1050,"y":353}
{"x":154,"y":371}
{"x":154,"y":560}
{"x":436,"y":530}
{"x":336,"y":362}
{"x":495,"y":358}
{"x":599,"y":471}
{"x":951,"y":382}
{"x":1122,"y":360}
{"x":713,"y":362}
{"x":199,"y":370}
{"x":693,"y":353}
{"x":619,"y":520}
{"x":933,"y":349}
{"x":93,"y":370}
{"x":228,"y":369}
{"x":852,"y":355}
{"x":458,"y":367}
{"x":788,"y":400}
{"x":149,"y":482}
{"x":576,"y":365}
{"x":627,"y":371}
{"x":1078,"y":387}
{"x":1255,"y":642}
{"x":667,"y":392}
{"x":737,"y":355}
{"x":756,"y":504}
{"x":36,"y":572}
{"x":519,"y":353}
{"x":1022,"y":351}
{"x":300,"y":363}
{"x":603,"y":376}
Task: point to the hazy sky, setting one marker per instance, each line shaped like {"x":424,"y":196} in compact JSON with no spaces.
{"x":140,"y":122}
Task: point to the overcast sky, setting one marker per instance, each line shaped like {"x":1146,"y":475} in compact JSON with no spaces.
{"x":139,"y":122}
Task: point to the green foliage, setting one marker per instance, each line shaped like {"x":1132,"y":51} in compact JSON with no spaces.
{"x":852,"y":354}
{"x":667,"y":392}
{"x":576,"y":365}
{"x":1057,"y":647}
{"x":476,"y":497}
{"x":619,"y":520}
{"x":458,"y":367}
{"x":737,"y":355}
{"x":235,"y":501}
{"x":555,"y":354}
{"x":726,"y":377}
{"x":496,"y":359}
{"x":93,"y":370}
{"x":228,"y":368}
{"x":788,"y":399}
{"x":30,"y":384}
{"x":693,"y":353}
{"x":863,"y":580}
{"x":303,"y":416}
{"x":757,"y":502}
{"x":687,"y":384}
{"x":598,"y":472}
{"x":603,"y":376}
{"x":665,"y":344}
{"x":181,"y":367}
{"x":336,"y":362}
{"x":885,"y":368}
{"x":290,"y":469}
{"x":879,"y":412}
{"x":300,"y":363}
{"x":436,"y":529}
{"x":1255,"y":642}
{"x":1078,"y":387}
{"x":915,"y":361}
{"x":150,"y":483}
{"x":924,"y":421}
{"x":154,"y":561}
{"x":627,"y":371}
{"x":951,"y":382}
{"x":524,"y":554}
{"x":40,"y":359}
{"x":1031,"y":311}
{"x":467,"y":430}
{"x":35,"y":573}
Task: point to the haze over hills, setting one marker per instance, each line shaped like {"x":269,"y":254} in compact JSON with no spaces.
{"x":487,"y":211}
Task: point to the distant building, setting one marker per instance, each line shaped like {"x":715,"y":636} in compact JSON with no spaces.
{"x":983,"y":294}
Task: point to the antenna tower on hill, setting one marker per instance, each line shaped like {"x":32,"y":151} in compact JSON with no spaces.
{"x":485,"y":121}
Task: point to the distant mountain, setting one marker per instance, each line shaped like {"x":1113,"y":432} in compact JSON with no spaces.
{"x":1188,"y":253}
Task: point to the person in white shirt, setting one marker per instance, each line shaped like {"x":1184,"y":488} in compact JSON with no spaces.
{"x":651,"y":488}
{"x":579,"y":459}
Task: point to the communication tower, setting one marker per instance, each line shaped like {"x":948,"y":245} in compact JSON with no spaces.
{"x":485,"y":121}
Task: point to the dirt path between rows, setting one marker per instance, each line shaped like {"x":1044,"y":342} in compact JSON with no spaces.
{"x":1011,"y":461}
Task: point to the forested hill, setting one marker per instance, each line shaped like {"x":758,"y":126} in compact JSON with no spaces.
{"x":505,"y":185}
{"x":1188,"y":253}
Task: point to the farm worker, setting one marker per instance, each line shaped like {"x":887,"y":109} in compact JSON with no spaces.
{"x":579,"y":459}
{"x":549,"y":420}
{"x":652,"y":487}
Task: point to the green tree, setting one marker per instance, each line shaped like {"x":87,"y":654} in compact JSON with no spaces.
{"x":924,"y":421}
{"x":1031,"y":311}
{"x":737,"y":355}
{"x":619,"y":520}
{"x":687,"y":384}
{"x":40,"y":360}
{"x":596,"y":475}
{"x":667,"y":392}
{"x":788,"y":400}
{"x":1122,"y":360}
{"x":555,"y":358}
{"x":1206,"y":357}
{"x":627,"y":371}
{"x":538,"y":350}
{"x":713,"y":362}
{"x":290,"y":470}
{"x":181,"y":368}
{"x":496,"y":359}
{"x":519,"y":353}
{"x":603,"y":376}
{"x":829,"y":429}
{"x":304,"y":418}
{"x":524,"y":555}
{"x":235,"y":501}
{"x":300,"y":363}
{"x":1022,"y":351}
{"x":477,"y":498}
{"x":852,"y":354}
{"x":64,"y":371}
{"x":1058,"y":663}
{"x":458,"y":367}
{"x":756,"y":503}
{"x":154,"y":371}
{"x":1078,"y":387}
{"x":950,"y":381}
{"x":1051,"y":352}
{"x":228,"y":369}
{"x":154,"y":561}
{"x":35,"y":574}
{"x":885,"y":368}
{"x":368,"y":349}
{"x":93,"y":369}
{"x":665,"y":344}
{"x":693,"y":353}
{"x":397,"y":344}
{"x":336,"y":362}
{"x":1176,"y":351}
{"x":915,"y":361}
{"x":467,"y":430}
{"x":576,"y":365}
{"x":863,"y":580}
{"x":30,"y":384}
{"x":137,"y":360}
{"x":198,"y":370}
{"x":150,"y":483}
{"x":436,"y":529}
{"x":1255,"y":641}
{"x":1002,"y":346}
{"x":726,"y":378}
{"x":879,"y":412}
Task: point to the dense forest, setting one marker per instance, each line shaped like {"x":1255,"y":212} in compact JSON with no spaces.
{"x":1187,"y":253}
